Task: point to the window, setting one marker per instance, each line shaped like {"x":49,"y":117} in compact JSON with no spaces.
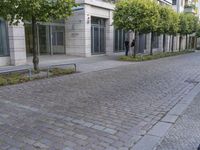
{"x":3,"y":39}
{"x":173,"y":2}
{"x":119,"y":40}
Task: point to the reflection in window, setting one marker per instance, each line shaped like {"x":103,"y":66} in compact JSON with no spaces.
{"x":119,"y":40}
{"x":3,"y":39}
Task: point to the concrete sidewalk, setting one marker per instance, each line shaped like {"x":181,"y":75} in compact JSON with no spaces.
{"x":95,"y":63}
{"x":185,"y":133}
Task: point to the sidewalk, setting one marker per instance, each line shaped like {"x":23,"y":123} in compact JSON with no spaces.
{"x":185,"y":133}
{"x":84,"y":65}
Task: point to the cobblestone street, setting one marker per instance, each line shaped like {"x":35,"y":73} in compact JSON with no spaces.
{"x":184,"y":135}
{"x":109,"y":109}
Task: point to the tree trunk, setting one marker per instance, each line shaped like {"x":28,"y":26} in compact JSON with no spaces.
{"x":35,"y":52}
{"x":189,"y":44}
{"x":152,"y":40}
{"x":164,"y":42}
{"x":186,"y":42}
{"x":136,"y":45}
{"x":172,"y":43}
{"x":195,"y":43}
{"x":180,"y":42}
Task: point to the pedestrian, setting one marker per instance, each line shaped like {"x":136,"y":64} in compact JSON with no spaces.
{"x":126,"y":46}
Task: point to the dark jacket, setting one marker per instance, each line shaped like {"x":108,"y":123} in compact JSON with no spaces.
{"x":126,"y":43}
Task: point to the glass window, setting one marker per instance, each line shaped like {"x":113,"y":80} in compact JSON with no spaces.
{"x":119,"y":40}
{"x":60,"y":38}
{"x":3,"y":39}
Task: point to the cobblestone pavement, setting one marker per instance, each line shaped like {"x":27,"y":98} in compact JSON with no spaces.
{"x":185,"y":134}
{"x":109,"y":109}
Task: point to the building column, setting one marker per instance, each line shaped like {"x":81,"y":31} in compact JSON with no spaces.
{"x":167,"y":44}
{"x":148,"y":43}
{"x":177,"y":41}
{"x":109,"y":35}
{"x":160,"y":44}
{"x":16,"y":36}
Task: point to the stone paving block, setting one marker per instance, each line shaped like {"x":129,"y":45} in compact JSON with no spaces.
{"x":98,"y":127}
{"x":69,"y":144}
{"x":67,"y":148}
{"x":148,"y":142}
{"x":83,"y":137}
{"x":160,"y":129}
{"x":40,"y":145}
{"x":13,"y":148}
{"x":87,"y":124}
{"x":170,"y":118}
{"x":178,"y":109}
{"x":110,"y":131}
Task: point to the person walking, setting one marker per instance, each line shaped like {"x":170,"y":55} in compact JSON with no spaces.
{"x":127,"y":47}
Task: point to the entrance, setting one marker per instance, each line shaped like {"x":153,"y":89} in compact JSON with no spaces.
{"x":50,"y":39}
{"x":58,"y":40}
{"x":98,"y":36}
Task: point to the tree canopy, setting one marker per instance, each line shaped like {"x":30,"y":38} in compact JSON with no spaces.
{"x":165,"y":16}
{"x":141,"y":16}
{"x":173,"y":23}
{"x":183,"y":24}
{"x":42,"y":10}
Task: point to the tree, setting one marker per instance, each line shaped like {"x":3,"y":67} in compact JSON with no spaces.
{"x":35,"y":11}
{"x":183,"y":27}
{"x":136,"y":15}
{"x":164,"y":23}
{"x":198,"y":31}
{"x":192,"y":26}
{"x":152,"y":25}
{"x":173,"y":26}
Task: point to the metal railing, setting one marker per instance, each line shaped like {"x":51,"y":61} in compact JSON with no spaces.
{"x":17,"y":70}
{"x":60,"y":65}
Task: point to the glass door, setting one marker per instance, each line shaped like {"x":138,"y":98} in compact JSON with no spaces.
{"x":58,"y":40}
{"x":98,"y":36}
{"x":44,"y":43}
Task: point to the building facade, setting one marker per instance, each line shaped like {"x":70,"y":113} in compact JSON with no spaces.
{"x":89,"y":31}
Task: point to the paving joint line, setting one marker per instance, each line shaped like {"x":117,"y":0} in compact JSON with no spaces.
{"x":156,"y":134}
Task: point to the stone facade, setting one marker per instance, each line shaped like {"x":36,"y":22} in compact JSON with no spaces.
{"x":78,"y":34}
{"x":17,"y":47}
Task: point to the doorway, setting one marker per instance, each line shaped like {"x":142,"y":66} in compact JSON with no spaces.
{"x":98,"y":36}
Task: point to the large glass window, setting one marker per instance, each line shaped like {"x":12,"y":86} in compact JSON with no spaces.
{"x":120,"y":36}
{"x":3,"y":39}
{"x":155,"y":40}
{"x":50,"y":39}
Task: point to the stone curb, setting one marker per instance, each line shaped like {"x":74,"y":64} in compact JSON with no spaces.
{"x":154,"y":136}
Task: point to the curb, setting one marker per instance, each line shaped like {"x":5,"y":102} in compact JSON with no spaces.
{"x":154,"y":136}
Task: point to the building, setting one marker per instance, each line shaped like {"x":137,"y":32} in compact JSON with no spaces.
{"x":88,"y":32}
{"x":187,"y":6}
